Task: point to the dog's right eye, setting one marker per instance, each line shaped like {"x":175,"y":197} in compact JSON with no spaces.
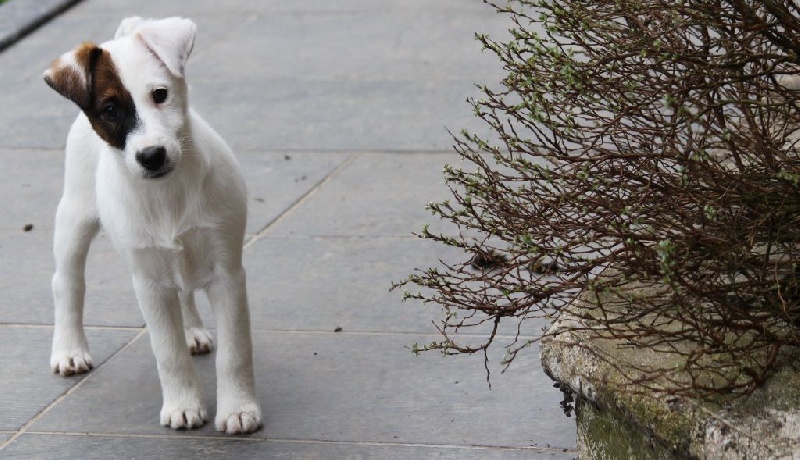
{"x":110,"y":112}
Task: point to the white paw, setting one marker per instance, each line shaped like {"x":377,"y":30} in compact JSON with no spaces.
{"x":177,"y":418}
{"x":198,"y":340}
{"x":69,"y":362}
{"x":239,"y":421}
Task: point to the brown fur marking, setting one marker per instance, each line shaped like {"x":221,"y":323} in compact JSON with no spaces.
{"x":70,"y":81}
{"x":98,"y":91}
{"x":109,"y":90}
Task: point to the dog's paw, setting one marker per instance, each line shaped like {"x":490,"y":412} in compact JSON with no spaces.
{"x":198,"y":340}
{"x":70,"y":362}
{"x":183,"y":418}
{"x":239,"y":421}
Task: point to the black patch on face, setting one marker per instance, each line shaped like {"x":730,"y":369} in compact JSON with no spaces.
{"x":110,"y":110}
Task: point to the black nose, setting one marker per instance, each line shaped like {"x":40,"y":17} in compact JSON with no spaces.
{"x":152,"y":158}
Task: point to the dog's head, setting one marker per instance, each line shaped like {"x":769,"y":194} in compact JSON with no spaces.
{"x":132,"y":90}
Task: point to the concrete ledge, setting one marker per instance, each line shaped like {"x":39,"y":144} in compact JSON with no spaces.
{"x":615,"y":421}
{"x":18,"y":18}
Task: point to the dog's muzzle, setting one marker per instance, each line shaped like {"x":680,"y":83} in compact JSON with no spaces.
{"x":154,"y":160}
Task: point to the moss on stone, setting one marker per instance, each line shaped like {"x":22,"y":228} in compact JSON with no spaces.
{"x":603,"y":435}
{"x":765,"y":423}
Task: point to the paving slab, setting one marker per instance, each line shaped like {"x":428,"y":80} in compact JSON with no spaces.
{"x":337,"y":115}
{"x":45,"y":127}
{"x":276,"y":181}
{"x":103,"y":447}
{"x":46,"y":119}
{"x":35,"y":182}
{"x":269,"y":7}
{"x":26,"y":357}
{"x":26,"y":60}
{"x":377,"y":194}
{"x":323,"y":283}
{"x":26,"y":262}
{"x":344,"y":281}
{"x":380,"y":45}
{"x":340,"y":387}
{"x":19,"y":18}
{"x":23,"y":63}
{"x":26,"y":277}
{"x":388,"y":91}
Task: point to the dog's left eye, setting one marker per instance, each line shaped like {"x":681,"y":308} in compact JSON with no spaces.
{"x":159,"y":95}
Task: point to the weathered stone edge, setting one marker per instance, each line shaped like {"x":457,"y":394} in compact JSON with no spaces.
{"x":21,"y":19}
{"x":683,"y":426}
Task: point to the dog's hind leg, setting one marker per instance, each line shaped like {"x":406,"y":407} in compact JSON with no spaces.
{"x":76,"y":226}
{"x":197,"y":336}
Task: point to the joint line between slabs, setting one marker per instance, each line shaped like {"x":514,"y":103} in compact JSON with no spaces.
{"x":309,"y":193}
{"x":66,"y":394}
{"x":390,"y":333}
{"x":423,"y":445}
{"x":323,"y":236}
{"x":218,"y":438}
{"x":88,"y":327}
{"x":284,"y":151}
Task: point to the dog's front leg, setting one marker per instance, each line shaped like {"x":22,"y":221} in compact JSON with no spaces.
{"x":238,"y":410}
{"x":183,"y":401}
{"x":76,"y":226}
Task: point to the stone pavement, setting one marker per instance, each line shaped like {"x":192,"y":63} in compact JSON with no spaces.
{"x":338,"y":111}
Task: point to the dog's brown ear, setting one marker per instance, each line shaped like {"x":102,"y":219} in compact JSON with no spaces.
{"x":171,"y":40}
{"x":71,"y":74}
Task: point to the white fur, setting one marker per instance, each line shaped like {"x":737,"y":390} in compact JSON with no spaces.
{"x":178,"y":233}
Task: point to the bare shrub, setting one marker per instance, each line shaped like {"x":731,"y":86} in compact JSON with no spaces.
{"x":644,"y":155}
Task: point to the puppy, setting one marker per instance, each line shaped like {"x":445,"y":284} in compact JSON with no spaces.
{"x":169,"y":193}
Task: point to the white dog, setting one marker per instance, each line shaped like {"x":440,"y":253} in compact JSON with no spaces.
{"x":169,"y":193}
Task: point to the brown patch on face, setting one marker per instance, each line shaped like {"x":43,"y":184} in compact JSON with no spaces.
{"x":112,"y":112}
{"x":92,"y":82}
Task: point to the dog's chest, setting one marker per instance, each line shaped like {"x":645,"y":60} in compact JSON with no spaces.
{"x":138,"y":214}
{"x":169,"y":238}
{"x":188,"y":264}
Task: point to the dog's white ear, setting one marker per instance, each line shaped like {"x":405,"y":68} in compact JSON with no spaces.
{"x":127,"y":26}
{"x":71,"y":73}
{"x":170,"y":39}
